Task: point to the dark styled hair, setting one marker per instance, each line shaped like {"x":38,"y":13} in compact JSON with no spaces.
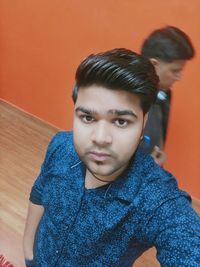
{"x":119,"y":69}
{"x":168,"y":44}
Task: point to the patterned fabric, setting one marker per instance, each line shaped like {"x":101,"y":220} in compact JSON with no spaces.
{"x":111,"y":225}
{"x":29,"y":263}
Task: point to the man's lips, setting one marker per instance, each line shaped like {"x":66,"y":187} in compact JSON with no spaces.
{"x":99,"y":156}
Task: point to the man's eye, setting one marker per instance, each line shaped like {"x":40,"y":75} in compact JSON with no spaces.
{"x":121,"y":122}
{"x":87,"y":119}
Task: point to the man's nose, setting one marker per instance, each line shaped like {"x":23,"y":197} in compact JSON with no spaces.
{"x":178,"y":76}
{"x":101,"y":134}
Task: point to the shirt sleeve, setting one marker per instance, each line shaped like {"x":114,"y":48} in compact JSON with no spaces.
{"x":37,"y":189}
{"x":174,"y":230}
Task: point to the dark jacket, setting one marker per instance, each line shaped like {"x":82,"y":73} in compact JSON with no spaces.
{"x":156,"y":128}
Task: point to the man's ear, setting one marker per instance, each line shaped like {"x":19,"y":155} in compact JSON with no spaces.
{"x":144,"y":123}
{"x":154,"y":61}
{"x":145,"y":119}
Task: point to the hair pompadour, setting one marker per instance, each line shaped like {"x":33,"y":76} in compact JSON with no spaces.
{"x":119,"y":69}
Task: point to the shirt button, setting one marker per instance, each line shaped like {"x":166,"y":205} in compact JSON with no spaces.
{"x":56,"y":251}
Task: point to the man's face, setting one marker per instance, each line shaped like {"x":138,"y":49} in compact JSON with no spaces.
{"x":168,"y":72}
{"x":107,"y":128}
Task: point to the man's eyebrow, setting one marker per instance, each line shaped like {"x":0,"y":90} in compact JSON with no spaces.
{"x":117,"y":112}
{"x":122,"y":112}
{"x":85,"y":110}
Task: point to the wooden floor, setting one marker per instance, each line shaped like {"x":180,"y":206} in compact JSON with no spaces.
{"x":23,"y":142}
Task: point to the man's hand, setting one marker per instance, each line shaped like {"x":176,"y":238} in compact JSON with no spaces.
{"x":159,"y":155}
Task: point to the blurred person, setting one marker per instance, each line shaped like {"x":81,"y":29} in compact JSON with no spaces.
{"x":168,"y":49}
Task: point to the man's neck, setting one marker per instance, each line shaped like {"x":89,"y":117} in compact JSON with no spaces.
{"x":91,"y":182}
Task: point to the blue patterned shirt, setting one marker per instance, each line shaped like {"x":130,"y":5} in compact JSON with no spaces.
{"x":111,"y":225}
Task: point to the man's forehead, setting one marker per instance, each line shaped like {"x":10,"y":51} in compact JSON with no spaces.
{"x":98,"y":91}
{"x":103,"y":99}
{"x":177,"y":64}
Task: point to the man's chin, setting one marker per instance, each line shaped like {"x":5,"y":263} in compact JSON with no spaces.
{"x":101,"y":171}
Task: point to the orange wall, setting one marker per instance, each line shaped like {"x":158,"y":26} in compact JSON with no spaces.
{"x":42,"y":41}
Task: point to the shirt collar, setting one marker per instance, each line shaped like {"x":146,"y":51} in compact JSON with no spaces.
{"x":128,"y":184}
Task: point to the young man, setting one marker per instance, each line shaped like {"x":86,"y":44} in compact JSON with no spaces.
{"x":169,"y":49}
{"x":99,"y":201}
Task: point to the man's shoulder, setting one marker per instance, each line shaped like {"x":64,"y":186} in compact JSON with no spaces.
{"x":61,"y":151}
{"x":156,"y":185}
{"x":60,"y":139}
{"x":145,"y":183}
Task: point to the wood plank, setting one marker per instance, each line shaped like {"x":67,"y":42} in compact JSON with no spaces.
{"x":23,"y":142}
